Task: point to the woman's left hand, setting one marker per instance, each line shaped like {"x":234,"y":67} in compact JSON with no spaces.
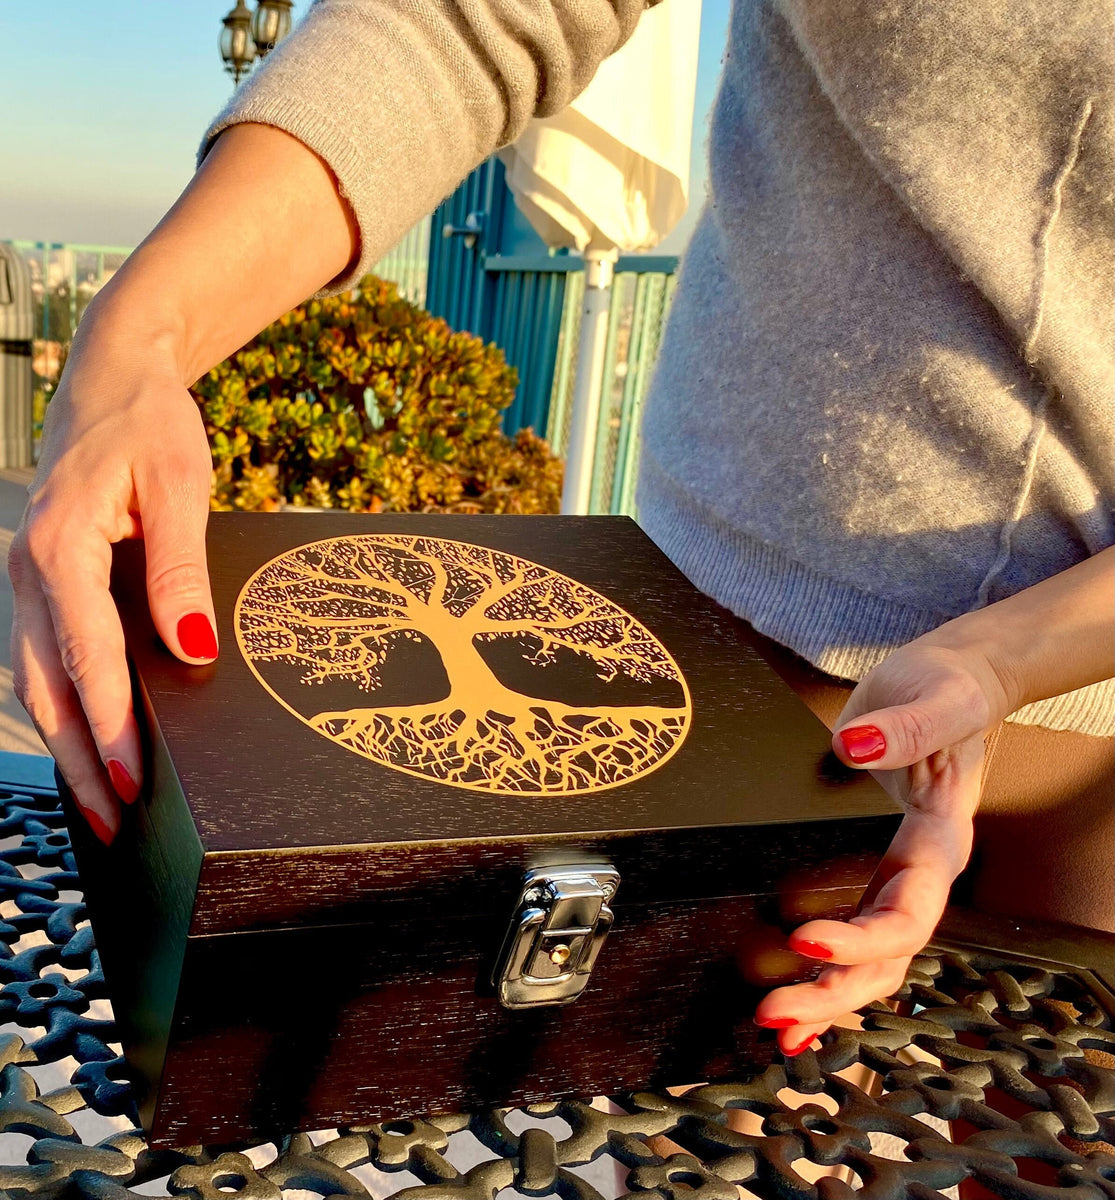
{"x":919,"y":720}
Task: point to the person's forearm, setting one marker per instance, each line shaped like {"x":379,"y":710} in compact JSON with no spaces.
{"x":260,"y":227}
{"x":1054,"y":637}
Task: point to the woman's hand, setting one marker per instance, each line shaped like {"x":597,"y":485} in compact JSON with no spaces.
{"x":260,"y":227}
{"x":124,"y":455}
{"x":918,"y":721}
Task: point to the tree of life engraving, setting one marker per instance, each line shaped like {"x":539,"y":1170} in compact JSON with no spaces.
{"x":340,"y":609}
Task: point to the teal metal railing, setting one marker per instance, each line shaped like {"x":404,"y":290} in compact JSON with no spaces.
{"x":406,"y":263}
{"x":526,"y":308}
{"x":64,"y":278}
{"x":491,"y":274}
{"x":642,"y":291}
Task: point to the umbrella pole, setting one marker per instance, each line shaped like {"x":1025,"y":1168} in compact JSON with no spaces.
{"x":588,"y":382}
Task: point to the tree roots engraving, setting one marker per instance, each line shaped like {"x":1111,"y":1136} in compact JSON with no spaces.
{"x":338,"y":609}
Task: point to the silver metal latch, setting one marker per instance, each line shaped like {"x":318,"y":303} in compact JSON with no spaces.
{"x":559,"y":925}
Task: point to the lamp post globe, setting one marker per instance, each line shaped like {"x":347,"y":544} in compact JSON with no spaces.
{"x":270,"y":24}
{"x":238,"y":48}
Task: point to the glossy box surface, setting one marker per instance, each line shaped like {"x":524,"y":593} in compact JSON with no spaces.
{"x":300,"y":919}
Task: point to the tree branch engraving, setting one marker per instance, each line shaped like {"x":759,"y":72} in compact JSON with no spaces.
{"x":338,"y":609}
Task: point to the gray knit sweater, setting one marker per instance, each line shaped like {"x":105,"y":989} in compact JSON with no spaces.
{"x":884,"y":396}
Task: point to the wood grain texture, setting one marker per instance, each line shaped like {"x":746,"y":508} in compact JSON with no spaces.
{"x":394,"y":1019}
{"x":257,"y":778}
{"x":344,"y":917}
{"x":345,"y":885}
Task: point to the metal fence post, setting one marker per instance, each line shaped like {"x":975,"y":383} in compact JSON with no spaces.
{"x":17,"y":327}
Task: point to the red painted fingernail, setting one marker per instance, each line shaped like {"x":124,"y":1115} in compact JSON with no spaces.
{"x":98,"y":825}
{"x":864,"y":743}
{"x":796,"y":1050}
{"x":123,"y":783}
{"x":196,"y":636}
{"x":811,"y":949}
{"x":778,"y":1022}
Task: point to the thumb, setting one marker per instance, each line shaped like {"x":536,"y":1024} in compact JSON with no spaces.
{"x":944,"y":713}
{"x":174,"y":508}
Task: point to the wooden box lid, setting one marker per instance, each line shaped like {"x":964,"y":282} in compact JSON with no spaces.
{"x":394,"y":688}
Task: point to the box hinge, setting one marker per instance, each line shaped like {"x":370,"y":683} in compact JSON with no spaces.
{"x":559,"y":926}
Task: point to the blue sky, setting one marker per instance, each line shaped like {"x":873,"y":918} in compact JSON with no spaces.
{"x":105,"y":102}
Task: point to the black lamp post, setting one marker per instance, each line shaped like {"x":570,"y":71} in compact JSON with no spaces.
{"x":247,"y":35}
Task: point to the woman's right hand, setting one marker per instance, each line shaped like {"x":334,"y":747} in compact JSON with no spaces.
{"x":124,"y":454}
{"x":259,"y":228}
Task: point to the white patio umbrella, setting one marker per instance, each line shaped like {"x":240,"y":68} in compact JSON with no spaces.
{"x":611,"y":174}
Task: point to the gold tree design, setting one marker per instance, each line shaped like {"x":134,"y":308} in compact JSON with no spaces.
{"x":337,"y":609}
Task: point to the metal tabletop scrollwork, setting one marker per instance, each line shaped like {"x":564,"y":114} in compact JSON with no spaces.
{"x":995,"y":1068}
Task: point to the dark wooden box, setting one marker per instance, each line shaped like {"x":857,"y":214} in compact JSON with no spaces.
{"x":301,"y":918}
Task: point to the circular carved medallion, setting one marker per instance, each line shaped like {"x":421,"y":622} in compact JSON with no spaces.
{"x":463,"y":664}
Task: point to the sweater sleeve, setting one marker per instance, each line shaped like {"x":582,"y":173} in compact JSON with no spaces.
{"x":402,"y":98}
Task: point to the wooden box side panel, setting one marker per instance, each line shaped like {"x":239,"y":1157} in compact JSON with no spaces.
{"x":350,"y":885}
{"x":312,"y":1028}
{"x":140,"y":893}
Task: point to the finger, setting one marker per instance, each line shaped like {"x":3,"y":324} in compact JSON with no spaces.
{"x":836,"y":991}
{"x":946,"y":712}
{"x":901,"y":921}
{"x":69,"y":568}
{"x":174,"y":503}
{"x":911,"y":887}
{"x":912,"y":890}
{"x":798,"y":1038}
{"x":44,"y":689}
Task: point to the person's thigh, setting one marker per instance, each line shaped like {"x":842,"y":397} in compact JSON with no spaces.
{"x":1045,"y":830}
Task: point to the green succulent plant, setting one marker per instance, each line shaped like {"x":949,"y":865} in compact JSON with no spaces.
{"x":366,"y":402}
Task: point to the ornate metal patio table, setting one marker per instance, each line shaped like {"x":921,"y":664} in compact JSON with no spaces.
{"x":996,"y":1069}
